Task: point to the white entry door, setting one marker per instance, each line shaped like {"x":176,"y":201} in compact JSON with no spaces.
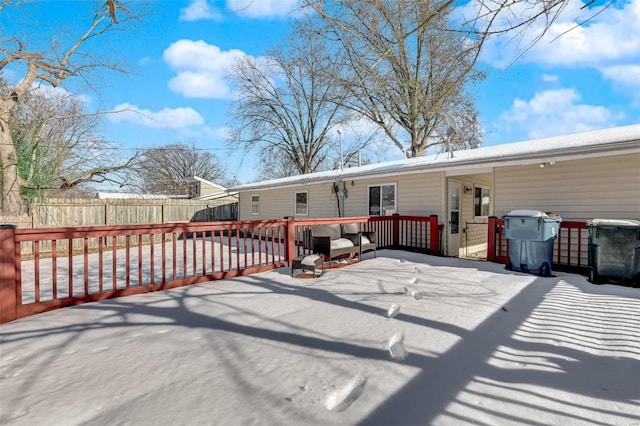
{"x":453,"y":225}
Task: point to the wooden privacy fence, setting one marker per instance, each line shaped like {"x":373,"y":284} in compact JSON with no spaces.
{"x":114,"y":261}
{"x":63,"y":212}
{"x":570,"y":247}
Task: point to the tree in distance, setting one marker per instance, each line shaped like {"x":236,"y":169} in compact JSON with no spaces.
{"x":165,"y":169}
{"x":288,"y":110}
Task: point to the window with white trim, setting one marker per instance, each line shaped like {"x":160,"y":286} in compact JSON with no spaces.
{"x":255,"y":204}
{"x":382,"y":200}
{"x":481,"y":201}
{"x":302,"y":203}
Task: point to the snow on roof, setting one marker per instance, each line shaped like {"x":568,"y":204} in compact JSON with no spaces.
{"x":193,"y":179}
{"x":218,"y":195}
{"x":598,"y":142}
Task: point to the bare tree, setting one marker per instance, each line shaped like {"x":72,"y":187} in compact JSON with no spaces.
{"x":163,"y":169}
{"x":64,"y":60}
{"x":57,"y":146}
{"x":286,"y":106}
{"x":402,"y":69}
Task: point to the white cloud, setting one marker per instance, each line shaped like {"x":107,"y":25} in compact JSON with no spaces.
{"x":263,"y":8}
{"x":222,"y":132}
{"x":608,"y":38}
{"x":625,"y":78}
{"x":202,"y":69}
{"x":199,"y":9}
{"x":548,"y":78}
{"x":166,"y":118}
{"x":45,"y":89}
{"x":556,"y":112}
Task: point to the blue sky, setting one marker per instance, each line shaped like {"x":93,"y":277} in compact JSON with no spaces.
{"x":179,"y":55}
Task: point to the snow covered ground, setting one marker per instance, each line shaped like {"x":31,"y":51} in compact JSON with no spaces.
{"x":404,"y":339}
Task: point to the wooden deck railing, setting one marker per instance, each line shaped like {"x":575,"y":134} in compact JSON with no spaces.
{"x":570,"y":247}
{"x":45,"y":269}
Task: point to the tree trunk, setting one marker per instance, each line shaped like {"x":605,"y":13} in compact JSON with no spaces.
{"x":11,"y":201}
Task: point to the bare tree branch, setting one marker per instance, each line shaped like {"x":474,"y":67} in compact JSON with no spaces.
{"x":64,"y":60}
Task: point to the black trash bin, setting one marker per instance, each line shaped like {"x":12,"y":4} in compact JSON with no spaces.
{"x":614,"y":250}
{"x":531,"y":234}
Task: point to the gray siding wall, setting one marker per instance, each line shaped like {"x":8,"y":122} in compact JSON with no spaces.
{"x":607,"y":187}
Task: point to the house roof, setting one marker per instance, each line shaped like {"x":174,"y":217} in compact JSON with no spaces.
{"x":195,"y":179}
{"x":218,"y":195}
{"x":598,"y":143}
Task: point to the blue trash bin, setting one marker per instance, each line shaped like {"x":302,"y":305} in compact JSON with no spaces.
{"x":614,"y":250}
{"x":531,"y":234}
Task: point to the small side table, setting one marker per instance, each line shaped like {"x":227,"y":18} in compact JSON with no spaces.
{"x":309,"y":262}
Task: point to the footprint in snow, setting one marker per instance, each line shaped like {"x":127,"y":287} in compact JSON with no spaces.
{"x":409,"y":280}
{"x":416,"y":295}
{"x":403,"y":260}
{"x":396,"y":347}
{"x":341,"y":399}
{"x":393,"y":310}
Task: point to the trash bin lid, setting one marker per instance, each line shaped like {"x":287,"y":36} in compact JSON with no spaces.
{"x":527,"y":213}
{"x":614,"y":222}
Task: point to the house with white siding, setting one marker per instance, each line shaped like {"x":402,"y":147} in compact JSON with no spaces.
{"x":581,"y":176}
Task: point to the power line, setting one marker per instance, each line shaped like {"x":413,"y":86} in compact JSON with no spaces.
{"x":141,"y":149}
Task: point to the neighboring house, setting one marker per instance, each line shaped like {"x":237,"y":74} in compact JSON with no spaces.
{"x":579,"y":177}
{"x":199,"y":187}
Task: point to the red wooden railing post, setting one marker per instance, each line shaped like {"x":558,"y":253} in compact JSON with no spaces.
{"x":289,"y":243}
{"x":491,"y":239}
{"x":8,"y":297}
{"x":434,"y":234}
{"x":396,"y":230}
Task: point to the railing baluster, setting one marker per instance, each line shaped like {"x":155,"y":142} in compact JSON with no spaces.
{"x":237,"y":242}
{"x":229,"y":252}
{"x":127,"y":261}
{"x":36,"y":266}
{"x":204,"y":253}
{"x":174,"y":263}
{"x":244,"y":238}
{"x":70,"y":250}
{"x":164,"y":257}
{"x":184,"y":254}
{"x":152,"y":243}
{"x":213,"y":251}
{"x":100,"y":266}
{"x":85,"y":254}
{"x":54,"y":268}
{"x":114,"y":264}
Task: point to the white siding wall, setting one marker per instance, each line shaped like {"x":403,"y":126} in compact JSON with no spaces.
{"x":278,"y":203}
{"x":419,"y":194}
{"x":416,"y":194}
{"x":606,"y":187}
